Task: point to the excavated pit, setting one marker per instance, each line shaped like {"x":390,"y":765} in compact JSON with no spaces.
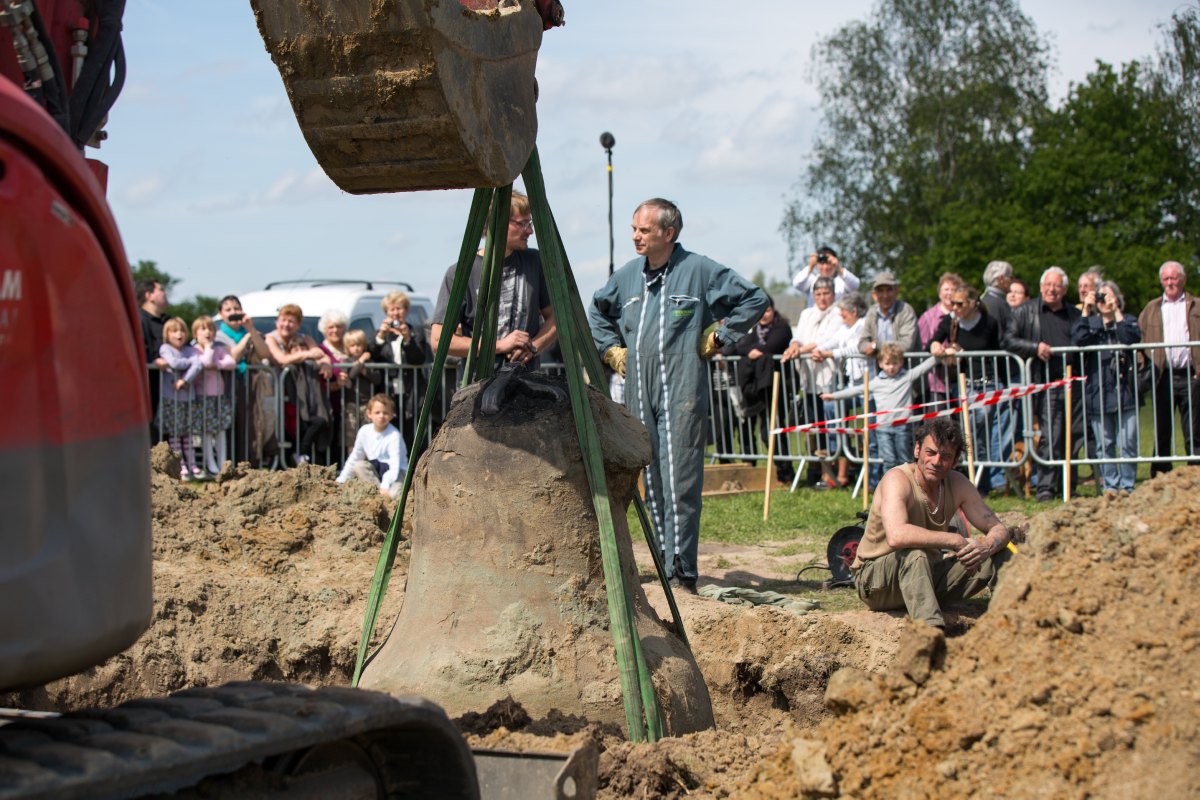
{"x":1080,"y":681}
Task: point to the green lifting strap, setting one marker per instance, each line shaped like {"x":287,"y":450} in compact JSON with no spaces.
{"x":642,"y":711}
{"x":481,"y":358}
{"x":458,"y":291}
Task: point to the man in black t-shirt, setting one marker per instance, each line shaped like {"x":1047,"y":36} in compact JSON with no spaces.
{"x":153,"y":299}
{"x":525,"y":322}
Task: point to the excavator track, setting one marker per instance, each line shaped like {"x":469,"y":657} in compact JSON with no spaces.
{"x":329,"y":742}
{"x":404,"y":95}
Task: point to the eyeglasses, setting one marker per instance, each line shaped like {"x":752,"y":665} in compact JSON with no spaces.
{"x":523,"y":224}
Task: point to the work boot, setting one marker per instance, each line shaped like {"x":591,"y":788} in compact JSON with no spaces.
{"x":683,"y":584}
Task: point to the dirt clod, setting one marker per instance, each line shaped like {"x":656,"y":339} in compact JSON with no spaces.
{"x":922,"y":650}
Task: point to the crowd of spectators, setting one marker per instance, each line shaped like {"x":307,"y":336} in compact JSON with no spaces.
{"x":1001,"y":320}
{"x":213,"y":400}
{"x":211,"y":406}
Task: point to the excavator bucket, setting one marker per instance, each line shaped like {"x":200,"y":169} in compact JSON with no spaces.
{"x":405,"y":95}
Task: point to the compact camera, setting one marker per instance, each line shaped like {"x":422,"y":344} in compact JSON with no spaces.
{"x":822,"y":258}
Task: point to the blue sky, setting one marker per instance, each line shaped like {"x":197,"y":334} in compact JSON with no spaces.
{"x":210,"y":177}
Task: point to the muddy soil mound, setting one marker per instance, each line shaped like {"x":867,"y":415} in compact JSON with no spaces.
{"x":766,"y":670}
{"x":1082,"y":679}
{"x":258,"y":576}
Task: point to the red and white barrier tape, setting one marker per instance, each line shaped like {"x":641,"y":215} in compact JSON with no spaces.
{"x":981,"y":400}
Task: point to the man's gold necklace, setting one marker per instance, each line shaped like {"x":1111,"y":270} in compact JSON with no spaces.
{"x":933,"y":509}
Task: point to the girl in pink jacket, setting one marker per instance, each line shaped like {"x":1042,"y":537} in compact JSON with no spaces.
{"x":213,"y":412}
{"x":176,"y":411}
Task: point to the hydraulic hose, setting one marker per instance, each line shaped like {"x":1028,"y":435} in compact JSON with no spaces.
{"x":95,"y":92}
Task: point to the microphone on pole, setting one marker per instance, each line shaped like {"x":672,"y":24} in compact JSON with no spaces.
{"x":607,"y":141}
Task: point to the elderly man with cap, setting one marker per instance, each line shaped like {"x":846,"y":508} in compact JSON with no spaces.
{"x":889,"y":319}
{"x":824,"y":264}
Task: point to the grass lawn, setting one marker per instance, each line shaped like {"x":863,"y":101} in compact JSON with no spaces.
{"x":806,"y":516}
{"x":800,"y":524}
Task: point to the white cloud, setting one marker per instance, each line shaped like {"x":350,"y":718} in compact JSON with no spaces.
{"x":268,"y":111}
{"x":143,"y":191}
{"x":761,"y":146}
{"x":218,"y":204}
{"x":138,"y":91}
{"x":296,"y":188}
{"x":710,"y":109}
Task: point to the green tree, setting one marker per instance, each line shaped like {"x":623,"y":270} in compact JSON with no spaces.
{"x":773,"y":286}
{"x":148,"y":270}
{"x":1175,"y":73}
{"x":188,"y":309}
{"x":926,"y":107}
{"x":1107,"y":181}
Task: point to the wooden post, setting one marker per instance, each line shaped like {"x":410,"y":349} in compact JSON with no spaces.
{"x":771,"y":445}
{"x":966,"y":421}
{"x":866,"y":441}
{"x":1067,"y":452}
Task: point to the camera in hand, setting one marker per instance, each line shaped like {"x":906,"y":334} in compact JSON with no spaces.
{"x":395,"y":323}
{"x":822,"y":258}
{"x":237,"y":316}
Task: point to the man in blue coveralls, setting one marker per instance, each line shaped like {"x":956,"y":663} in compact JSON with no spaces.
{"x":649,"y":324}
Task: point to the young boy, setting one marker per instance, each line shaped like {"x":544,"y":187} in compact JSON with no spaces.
{"x":891,"y":388}
{"x":380,"y":456}
{"x":364,"y":382}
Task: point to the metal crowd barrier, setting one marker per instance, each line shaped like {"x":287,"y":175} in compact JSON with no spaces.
{"x":1126,"y":413}
{"x":267,"y":428}
{"x":241,"y":420}
{"x":1159,"y":426}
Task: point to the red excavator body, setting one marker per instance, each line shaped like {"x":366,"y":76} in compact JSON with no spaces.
{"x":74,"y":430}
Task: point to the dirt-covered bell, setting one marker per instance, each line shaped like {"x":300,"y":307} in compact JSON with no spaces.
{"x":505,"y":592}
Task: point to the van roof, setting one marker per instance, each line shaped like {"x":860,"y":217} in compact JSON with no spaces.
{"x":315,"y":282}
{"x":315,"y":300}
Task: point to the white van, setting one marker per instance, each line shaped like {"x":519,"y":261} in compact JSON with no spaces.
{"x":360,"y":300}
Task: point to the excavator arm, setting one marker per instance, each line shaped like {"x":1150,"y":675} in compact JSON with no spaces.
{"x":391,"y":95}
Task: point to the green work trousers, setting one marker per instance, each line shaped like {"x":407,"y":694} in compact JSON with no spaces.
{"x":919,"y":581}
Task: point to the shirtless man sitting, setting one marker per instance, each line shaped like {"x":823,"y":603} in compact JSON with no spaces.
{"x":900,"y":562}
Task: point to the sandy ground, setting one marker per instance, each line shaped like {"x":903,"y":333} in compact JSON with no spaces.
{"x":1081,"y":680}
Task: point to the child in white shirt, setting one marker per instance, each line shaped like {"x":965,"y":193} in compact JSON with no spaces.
{"x":379,"y":456}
